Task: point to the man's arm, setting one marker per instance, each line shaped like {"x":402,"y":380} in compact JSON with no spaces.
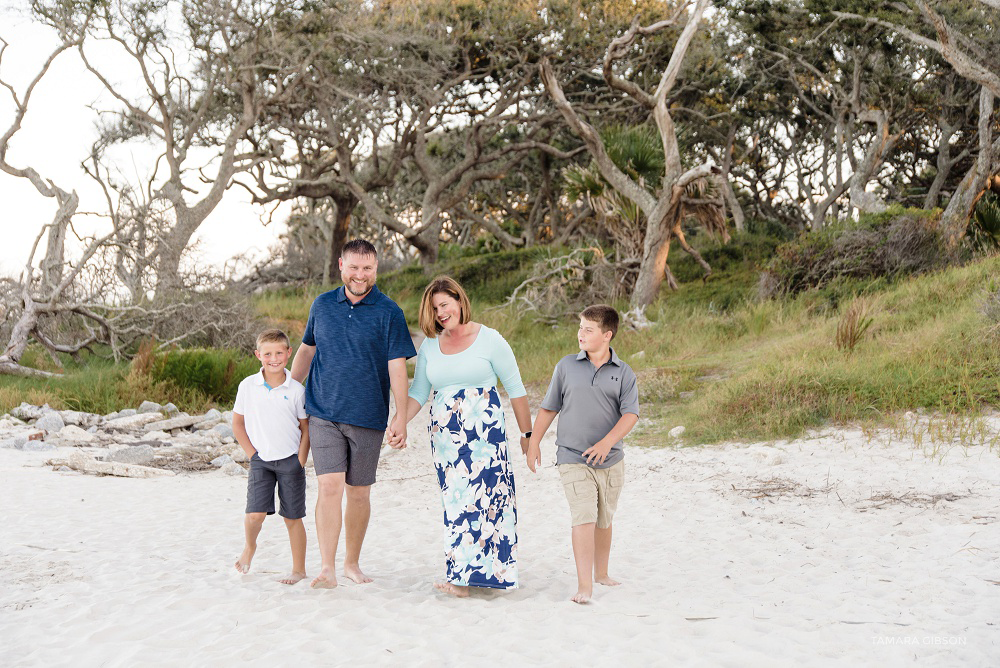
{"x":398,"y":383}
{"x":240,"y":433}
{"x":304,"y":442}
{"x":596,"y":453}
{"x":300,"y":363}
{"x":542,"y":423}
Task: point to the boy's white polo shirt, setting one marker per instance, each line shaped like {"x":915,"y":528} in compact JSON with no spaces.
{"x":272,"y":415}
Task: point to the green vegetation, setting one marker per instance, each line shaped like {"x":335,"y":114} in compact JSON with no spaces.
{"x":719,"y":362}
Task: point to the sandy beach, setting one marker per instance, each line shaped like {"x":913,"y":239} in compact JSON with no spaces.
{"x":841,"y":548}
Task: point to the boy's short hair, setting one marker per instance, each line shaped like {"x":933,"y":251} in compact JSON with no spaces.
{"x":449,"y":286}
{"x":605,"y":317}
{"x":273,"y":336}
{"x":359,"y":247}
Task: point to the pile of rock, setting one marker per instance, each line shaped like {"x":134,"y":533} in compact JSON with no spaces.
{"x":123,"y":443}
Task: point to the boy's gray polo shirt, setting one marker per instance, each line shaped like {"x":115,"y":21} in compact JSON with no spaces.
{"x":590,"y":402}
{"x":349,"y":376}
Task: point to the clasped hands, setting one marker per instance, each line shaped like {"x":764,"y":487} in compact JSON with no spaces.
{"x":396,"y":434}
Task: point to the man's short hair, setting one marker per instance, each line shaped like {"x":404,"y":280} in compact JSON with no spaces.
{"x":448,"y":286}
{"x":273,"y":336}
{"x":359,"y":247}
{"x":605,"y":317}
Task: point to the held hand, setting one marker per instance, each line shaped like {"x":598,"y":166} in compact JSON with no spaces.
{"x":397,"y":432}
{"x":596,"y":454}
{"x":534,"y":457}
{"x":524,"y":445}
{"x":302,"y":462}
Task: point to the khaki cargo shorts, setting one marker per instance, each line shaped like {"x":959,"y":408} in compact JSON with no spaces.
{"x":592,"y":493}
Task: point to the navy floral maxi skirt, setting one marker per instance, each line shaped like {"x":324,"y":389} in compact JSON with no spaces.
{"x":469,"y":443}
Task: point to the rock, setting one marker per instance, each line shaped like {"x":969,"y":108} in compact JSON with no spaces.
{"x":223,"y":430}
{"x":127,"y":412}
{"x":170,"y":409}
{"x":27,"y":411}
{"x":232,"y":468}
{"x":676,"y":432}
{"x":81,"y":461}
{"x":173,"y":423}
{"x":212,"y":414}
{"x":92,"y":430}
{"x":228,"y":416}
{"x":133,"y":454}
{"x":15,"y":442}
{"x":7,"y":423}
{"x":134,"y":421}
{"x":37,"y":446}
{"x":64,"y":468}
{"x":221,"y":460}
{"x":50,"y":421}
{"x":156,"y":436}
{"x":686,"y":395}
{"x":79,"y":418}
{"x":208,"y":424}
{"x":149,"y":407}
{"x":75,"y":434}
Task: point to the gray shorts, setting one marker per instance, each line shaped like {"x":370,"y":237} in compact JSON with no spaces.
{"x":290,"y":478}
{"x":344,"y":448}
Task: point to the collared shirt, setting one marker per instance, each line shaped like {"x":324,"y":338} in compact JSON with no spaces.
{"x":590,"y":401}
{"x":271,"y":415}
{"x":349,"y":376}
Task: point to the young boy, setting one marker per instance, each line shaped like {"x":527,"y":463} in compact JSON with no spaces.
{"x":598,"y":399}
{"x":270,"y":424}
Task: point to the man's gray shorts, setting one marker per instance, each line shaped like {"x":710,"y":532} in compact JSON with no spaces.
{"x":345,"y":448}
{"x":290,"y":477}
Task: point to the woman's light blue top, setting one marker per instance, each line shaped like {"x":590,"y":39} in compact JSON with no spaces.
{"x":488,"y":359}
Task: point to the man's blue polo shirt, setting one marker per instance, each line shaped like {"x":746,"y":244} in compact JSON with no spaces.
{"x":349,"y":376}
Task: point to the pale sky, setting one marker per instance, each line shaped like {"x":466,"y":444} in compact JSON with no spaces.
{"x":56,"y":136}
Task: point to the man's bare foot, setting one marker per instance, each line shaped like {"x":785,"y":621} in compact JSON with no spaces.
{"x":326,"y":579}
{"x":606,"y":581}
{"x":292,"y":578}
{"x":354,"y":574}
{"x":243,"y":563}
{"x":455,"y":590}
{"x":583,"y":596}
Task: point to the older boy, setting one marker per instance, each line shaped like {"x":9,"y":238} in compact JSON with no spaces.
{"x":270,"y":424}
{"x":598,"y":399}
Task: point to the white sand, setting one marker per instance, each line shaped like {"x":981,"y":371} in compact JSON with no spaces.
{"x":121,"y":572}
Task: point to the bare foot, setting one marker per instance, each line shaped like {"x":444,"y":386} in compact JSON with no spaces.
{"x":292,"y":578}
{"x":583,"y":596}
{"x":354,"y":574}
{"x":455,"y":590}
{"x":243,"y":563}
{"x":606,"y":581}
{"x":326,"y":579}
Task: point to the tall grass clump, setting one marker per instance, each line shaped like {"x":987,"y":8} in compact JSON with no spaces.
{"x":853,"y":325}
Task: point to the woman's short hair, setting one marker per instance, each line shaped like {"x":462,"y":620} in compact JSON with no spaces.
{"x":442,"y":285}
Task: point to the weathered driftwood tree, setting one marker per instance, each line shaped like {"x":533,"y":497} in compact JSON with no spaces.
{"x":971,"y":51}
{"x":663,"y":212}
{"x":201,"y":90}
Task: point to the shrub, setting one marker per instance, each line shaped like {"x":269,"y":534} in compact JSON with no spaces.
{"x":214,"y":373}
{"x":897,"y":243}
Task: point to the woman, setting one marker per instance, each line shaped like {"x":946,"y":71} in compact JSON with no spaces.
{"x":462,"y":361}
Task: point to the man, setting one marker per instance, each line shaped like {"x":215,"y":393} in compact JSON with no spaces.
{"x":354,"y":349}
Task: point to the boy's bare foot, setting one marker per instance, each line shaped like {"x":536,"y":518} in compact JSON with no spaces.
{"x":606,"y":581}
{"x":354,"y":574}
{"x":292,"y":578}
{"x":583,"y":596}
{"x":455,"y":590}
{"x":326,"y":579}
{"x":243,"y":563}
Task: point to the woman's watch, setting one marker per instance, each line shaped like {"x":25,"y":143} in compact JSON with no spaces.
{"x":525,"y":434}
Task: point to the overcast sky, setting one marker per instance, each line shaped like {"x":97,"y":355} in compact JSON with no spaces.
{"x":56,"y":136}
